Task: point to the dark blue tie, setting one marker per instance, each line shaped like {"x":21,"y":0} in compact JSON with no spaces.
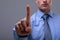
{"x":47,"y":31}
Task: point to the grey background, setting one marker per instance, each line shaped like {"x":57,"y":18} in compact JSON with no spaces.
{"x":13,"y":10}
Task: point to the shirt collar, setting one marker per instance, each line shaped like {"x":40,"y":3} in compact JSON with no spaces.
{"x":40,"y":14}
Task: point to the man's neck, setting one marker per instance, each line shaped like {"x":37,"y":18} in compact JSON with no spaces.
{"x":45,"y":11}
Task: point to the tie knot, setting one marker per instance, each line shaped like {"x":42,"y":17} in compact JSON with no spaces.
{"x":45,"y":16}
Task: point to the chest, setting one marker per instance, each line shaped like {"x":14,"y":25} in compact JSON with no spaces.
{"x":54,"y":24}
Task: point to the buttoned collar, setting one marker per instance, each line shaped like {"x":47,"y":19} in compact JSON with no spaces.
{"x":40,"y":14}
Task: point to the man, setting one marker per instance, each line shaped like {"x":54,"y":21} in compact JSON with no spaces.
{"x":42,"y":25}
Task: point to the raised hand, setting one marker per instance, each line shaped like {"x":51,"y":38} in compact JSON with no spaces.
{"x":23,"y":26}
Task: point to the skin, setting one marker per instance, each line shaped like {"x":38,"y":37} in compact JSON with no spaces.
{"x":23,"y":26}
{"x":44,"y":5}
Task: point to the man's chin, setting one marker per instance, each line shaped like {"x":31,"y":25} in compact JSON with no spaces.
{"x":44,"y":8}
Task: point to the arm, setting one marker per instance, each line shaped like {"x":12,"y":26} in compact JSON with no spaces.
{"x":22,"y":27}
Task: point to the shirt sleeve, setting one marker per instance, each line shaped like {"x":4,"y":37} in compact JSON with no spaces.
{"x":16,"y":37}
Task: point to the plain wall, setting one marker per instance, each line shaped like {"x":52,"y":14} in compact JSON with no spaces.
{"x":12,"y":11}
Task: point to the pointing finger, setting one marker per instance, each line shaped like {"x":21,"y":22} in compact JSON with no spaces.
{"x":28,"y":15}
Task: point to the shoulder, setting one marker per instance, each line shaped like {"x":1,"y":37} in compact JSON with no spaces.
{"x":57,"y":15}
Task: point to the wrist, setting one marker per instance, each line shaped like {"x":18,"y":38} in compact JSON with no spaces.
{"x":22,"y":36}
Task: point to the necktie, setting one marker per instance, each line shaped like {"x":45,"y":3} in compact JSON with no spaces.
{"x":47,"y":32}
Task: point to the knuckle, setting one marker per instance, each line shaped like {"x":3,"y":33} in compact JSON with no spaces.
{"x":16,"y":26}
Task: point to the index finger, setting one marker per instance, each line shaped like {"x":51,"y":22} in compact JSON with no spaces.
{"x":28,"y":15}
